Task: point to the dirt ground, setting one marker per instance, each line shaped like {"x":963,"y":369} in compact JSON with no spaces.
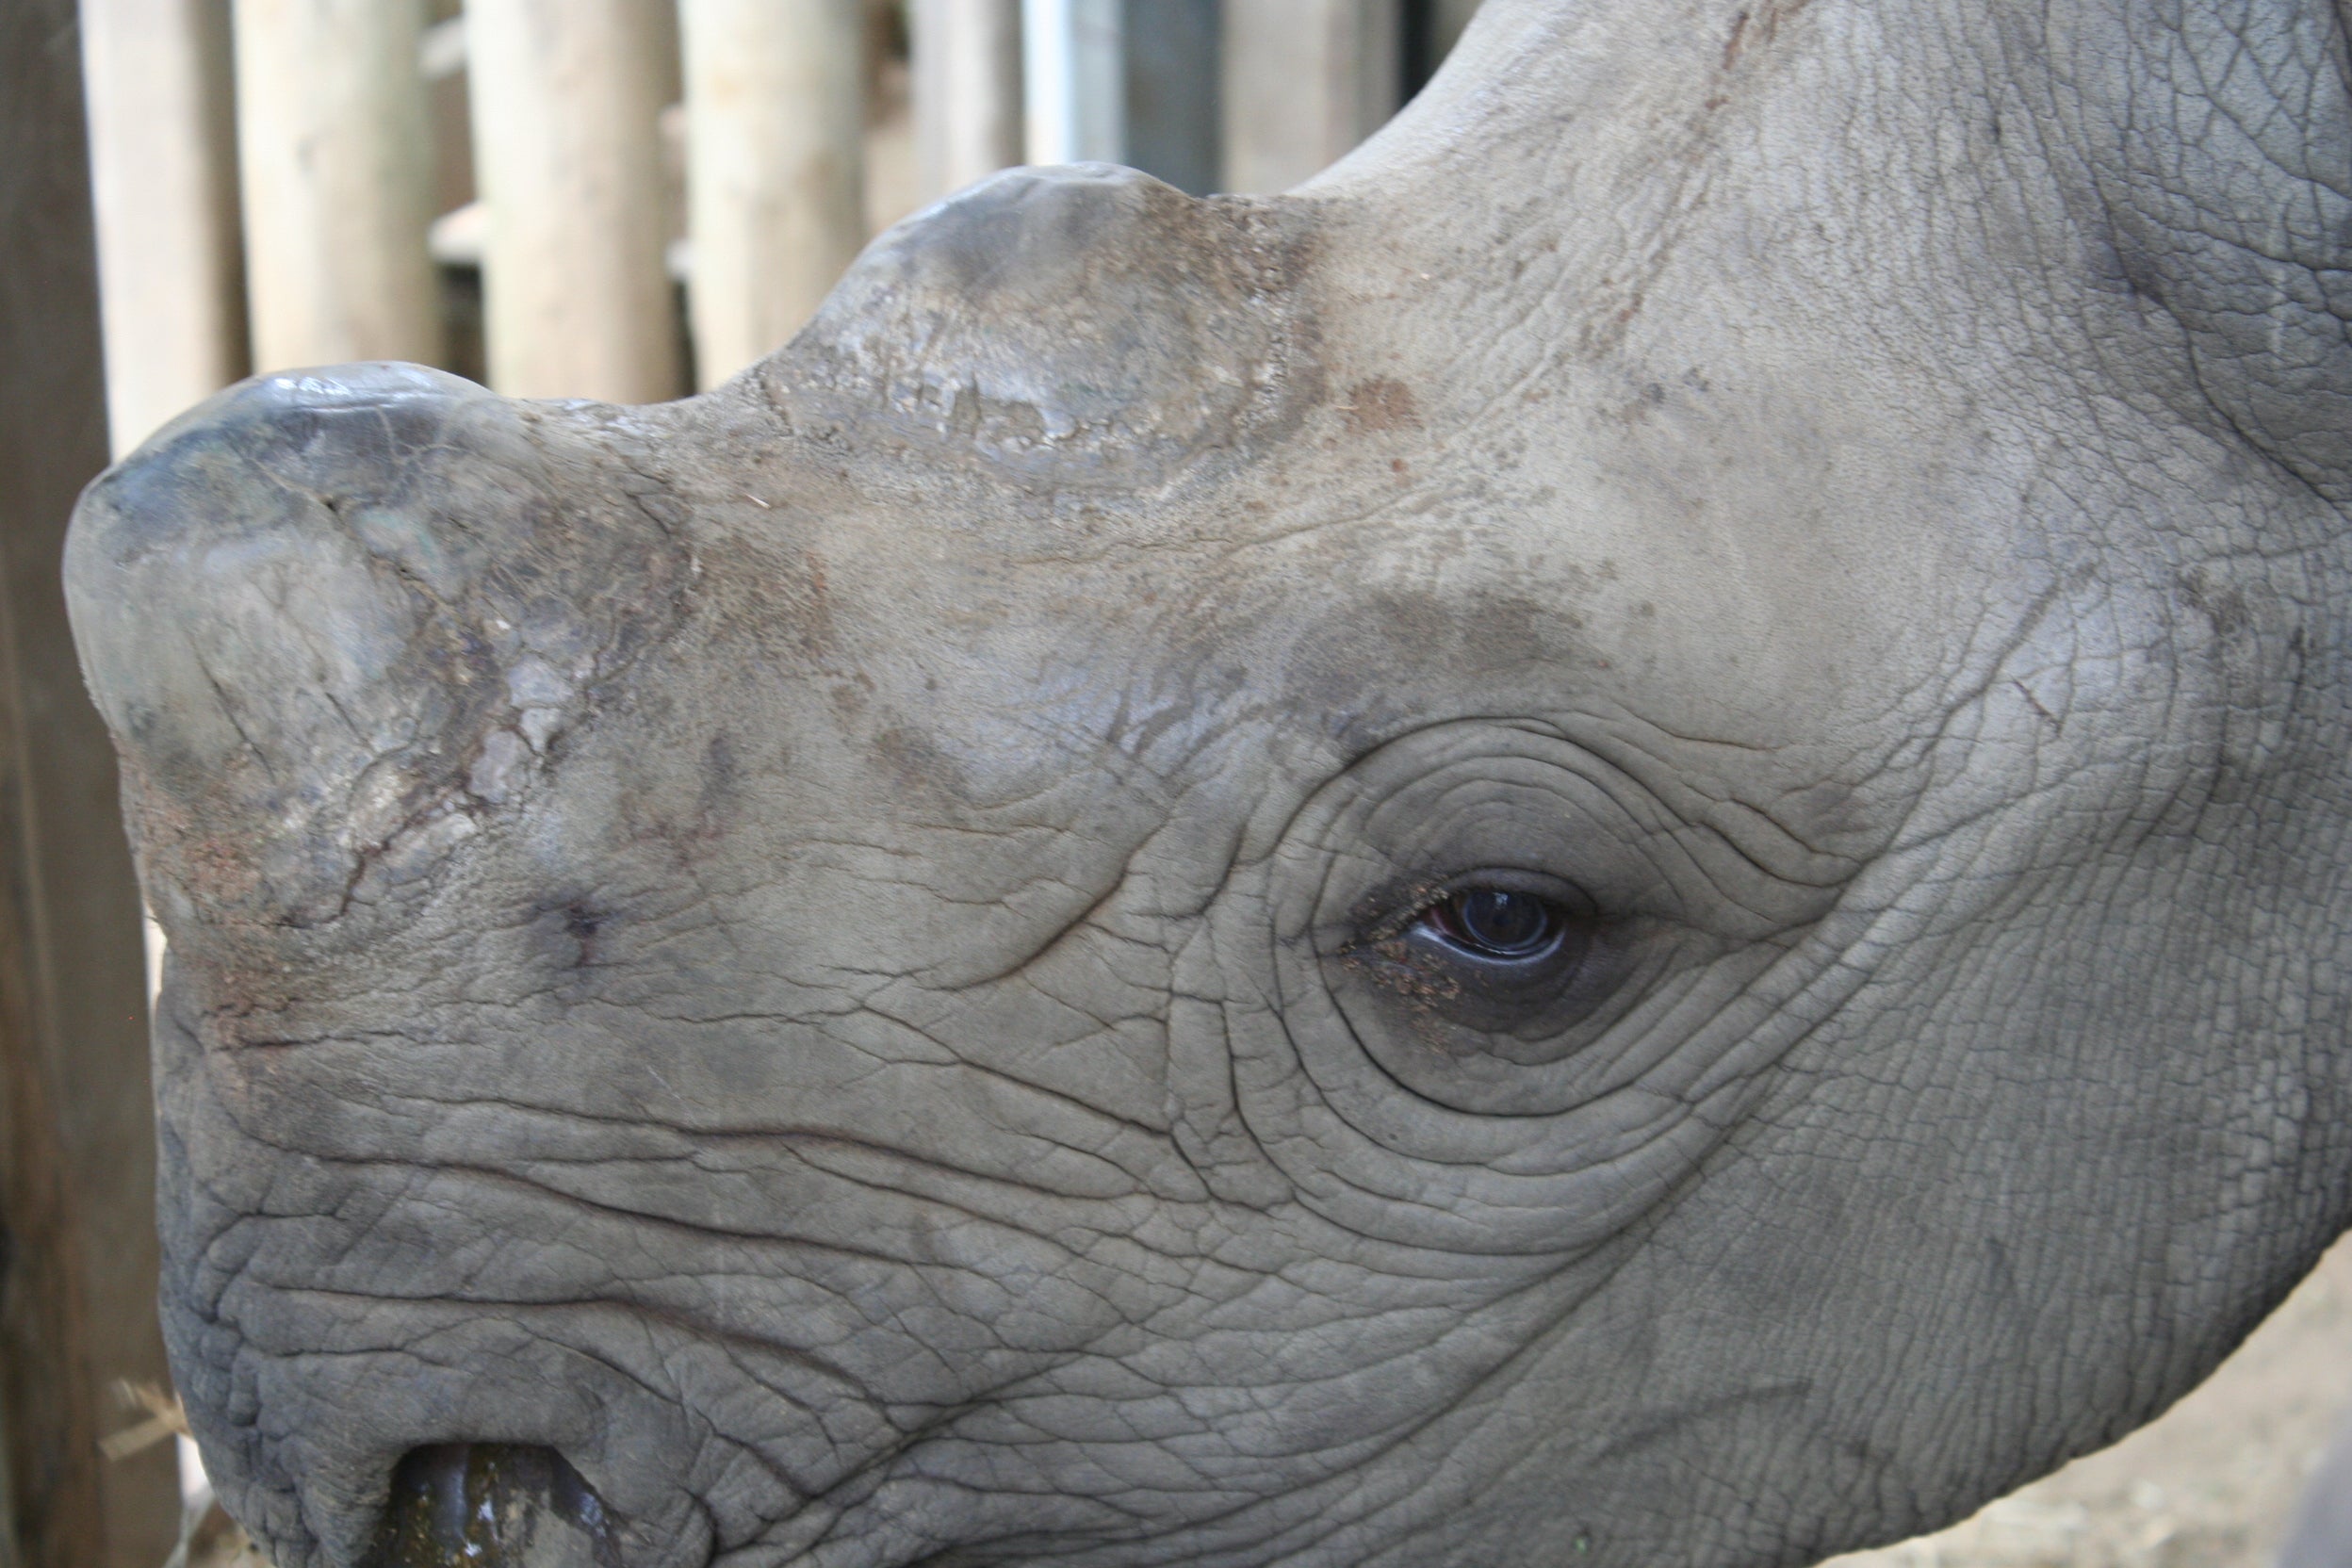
{"x":2212,"y":1484}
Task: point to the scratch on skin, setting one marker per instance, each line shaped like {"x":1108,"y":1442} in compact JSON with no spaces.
{"x":2057,"y":725}
{"x":228,"y":710}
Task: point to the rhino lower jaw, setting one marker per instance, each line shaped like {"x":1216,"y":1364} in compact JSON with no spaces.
{"x":493,"y":1505}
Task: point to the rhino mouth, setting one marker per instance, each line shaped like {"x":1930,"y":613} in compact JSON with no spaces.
{"x":493,"y":1505}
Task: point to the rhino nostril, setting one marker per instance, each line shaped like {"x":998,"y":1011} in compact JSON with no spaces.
{"x":493,"y":1505}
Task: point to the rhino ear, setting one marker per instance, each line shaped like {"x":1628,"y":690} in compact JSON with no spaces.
{"x":1073,"y":326}
{"x":333,"y":618}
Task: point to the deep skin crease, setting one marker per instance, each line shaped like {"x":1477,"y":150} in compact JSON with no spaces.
{"x":854,"y":954}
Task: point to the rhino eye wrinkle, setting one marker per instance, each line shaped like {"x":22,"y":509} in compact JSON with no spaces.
{"x":1498,"y":925}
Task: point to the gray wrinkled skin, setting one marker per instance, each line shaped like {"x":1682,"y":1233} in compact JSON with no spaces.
{"x":844,"y":952}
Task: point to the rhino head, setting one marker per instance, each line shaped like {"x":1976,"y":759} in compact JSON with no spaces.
{"x":1619,"y":840}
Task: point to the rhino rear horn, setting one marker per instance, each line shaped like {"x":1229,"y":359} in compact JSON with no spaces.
{"x":1082,"y":326}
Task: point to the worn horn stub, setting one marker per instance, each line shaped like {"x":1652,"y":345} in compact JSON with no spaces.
{"x":1086,"y":325}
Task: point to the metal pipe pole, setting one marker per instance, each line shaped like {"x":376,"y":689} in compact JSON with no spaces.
{"x":1074,"y":80}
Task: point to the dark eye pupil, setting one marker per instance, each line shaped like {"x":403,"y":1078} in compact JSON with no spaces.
{"x":1497,"y":923}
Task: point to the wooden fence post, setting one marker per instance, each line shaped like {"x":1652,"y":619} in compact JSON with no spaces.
{"x":565,"y":95}
{"x":1305,"y":80}
{"x":163,"y":179}
{"x":775,"y":139}
{"x":967,"y":91}
{"x":335,"y":155}
{"x":77,"y":1292}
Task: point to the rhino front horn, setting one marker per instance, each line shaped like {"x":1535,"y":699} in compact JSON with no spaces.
{"x":337,"y":616}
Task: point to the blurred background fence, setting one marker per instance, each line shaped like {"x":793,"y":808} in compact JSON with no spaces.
{"x":629,"y":199}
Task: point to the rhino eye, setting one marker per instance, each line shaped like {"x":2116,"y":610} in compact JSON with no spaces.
{"x":1498,"y":925}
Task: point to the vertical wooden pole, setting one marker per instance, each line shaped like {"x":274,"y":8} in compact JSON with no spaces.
{"x":1305,"y":80}
{"x":335,"y":155}
{"x":1074,"y":80}
{"x":163,"y":180}
{"x":775,"y":139}
{"x":77,"y":1299}
{"x":577,"y":296}
{"x":968,"y":93}
{"x":54,"y":1516}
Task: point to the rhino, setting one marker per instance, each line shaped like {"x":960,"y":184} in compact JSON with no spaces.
{"x":1619,"y":839}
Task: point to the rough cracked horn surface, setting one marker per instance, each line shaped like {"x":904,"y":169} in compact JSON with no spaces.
{"x":1616,"y":840}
